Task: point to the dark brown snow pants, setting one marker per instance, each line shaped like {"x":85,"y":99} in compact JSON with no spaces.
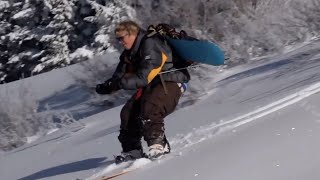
{"x":145,"y":116}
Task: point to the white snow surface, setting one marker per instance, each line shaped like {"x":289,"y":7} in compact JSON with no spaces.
{"x":256,"y":121}
{"x":82,"y":52}
{"x":4,"y":4}
{"x":26,"y":12}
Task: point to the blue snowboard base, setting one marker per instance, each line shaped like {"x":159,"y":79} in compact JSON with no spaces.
{"x":201,"y":51}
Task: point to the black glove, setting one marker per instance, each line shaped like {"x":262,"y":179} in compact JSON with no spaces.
{"x":108,"y":87}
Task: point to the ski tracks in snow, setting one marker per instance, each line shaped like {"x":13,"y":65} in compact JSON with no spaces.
{"x":203,"y":133}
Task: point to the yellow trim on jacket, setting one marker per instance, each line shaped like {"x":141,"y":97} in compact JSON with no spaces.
{"x":156,"y":71}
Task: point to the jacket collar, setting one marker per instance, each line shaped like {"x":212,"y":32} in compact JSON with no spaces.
{"x":137,"y":42}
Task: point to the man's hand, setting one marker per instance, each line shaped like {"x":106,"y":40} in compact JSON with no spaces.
{"x":108,"y":87}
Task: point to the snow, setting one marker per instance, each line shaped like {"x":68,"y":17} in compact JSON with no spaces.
{"x":32,"y":139}
{"x":52,"y":131}
{"x":48,"y":37}
{"x":4,"y":4}
{"x":103,"y":39}
{"x":252,"y":152}
{"x":255,"y":121}
{"x":16,"y":35}
{"x":13,"y":59}
{"x":82,"y":52}
{"x":38,"y":68}
{"x":23,"y":13}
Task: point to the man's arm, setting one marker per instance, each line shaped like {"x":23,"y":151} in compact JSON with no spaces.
{"x":120,"y":70}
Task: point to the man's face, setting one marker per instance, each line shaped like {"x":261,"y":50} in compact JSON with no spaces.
{"x":126,"y":39}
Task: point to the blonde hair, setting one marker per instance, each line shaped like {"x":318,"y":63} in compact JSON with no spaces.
{"x":130,"y":26}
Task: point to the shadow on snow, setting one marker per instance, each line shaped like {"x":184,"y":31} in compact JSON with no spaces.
{"x":69,"y":168}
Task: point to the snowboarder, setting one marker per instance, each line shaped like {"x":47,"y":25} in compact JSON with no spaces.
{"x":157,"y":94}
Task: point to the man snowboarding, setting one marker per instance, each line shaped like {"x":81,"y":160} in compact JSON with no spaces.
{"x":142,"y":67}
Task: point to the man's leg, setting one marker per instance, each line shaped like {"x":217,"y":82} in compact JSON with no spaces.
{"x":156,"y":105}
{"x":130,"y":128}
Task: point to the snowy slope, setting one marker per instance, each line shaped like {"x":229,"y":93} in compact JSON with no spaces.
{"x":257,"y":121}
{"x":283,"y":145}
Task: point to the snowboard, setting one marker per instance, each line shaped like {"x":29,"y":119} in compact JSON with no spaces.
{"x":129,"y":166}
{"x":122,"y":169}
{"x":115,"y":175}
{"x":201,"y":51}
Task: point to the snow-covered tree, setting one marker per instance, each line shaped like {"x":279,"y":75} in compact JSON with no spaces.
{"x":40,"y":35}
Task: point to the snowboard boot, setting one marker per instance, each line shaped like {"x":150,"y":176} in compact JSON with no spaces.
{"x":129,"y":156}
{"x":158,"y":150}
